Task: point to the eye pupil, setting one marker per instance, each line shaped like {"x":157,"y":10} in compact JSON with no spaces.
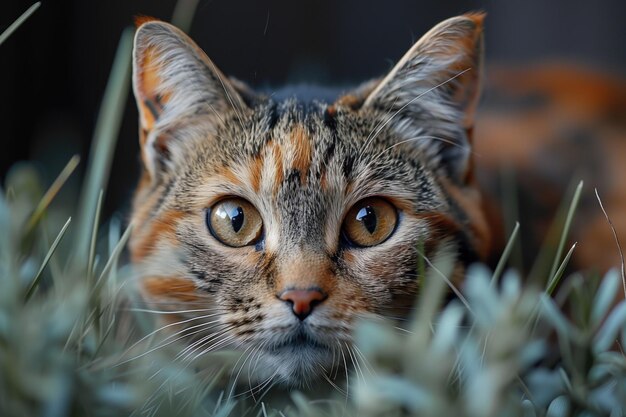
{"x":367,"y":216}
{"x":235,"y":222}
{"x":369,"y":222}
{"x":236,"y":218}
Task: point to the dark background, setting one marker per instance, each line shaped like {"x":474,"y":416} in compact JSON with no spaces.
{"x":54,"y":69}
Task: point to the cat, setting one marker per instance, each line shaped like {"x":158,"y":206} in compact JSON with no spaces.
{"x":287,"y":221}
{"x":273,"y":225}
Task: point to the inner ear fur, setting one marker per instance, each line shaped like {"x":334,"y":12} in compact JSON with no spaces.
{"x":174,"y":80}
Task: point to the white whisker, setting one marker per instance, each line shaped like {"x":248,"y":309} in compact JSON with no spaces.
{"x":347,"y":371}
{"x":234,"y":381}
{"x":143,"y":310}
{"x":215,"y":345}
{"x":162,"y":345}
{"x":195,"y":346}
{"x":427,"y":137}
{"x":397,"y":112}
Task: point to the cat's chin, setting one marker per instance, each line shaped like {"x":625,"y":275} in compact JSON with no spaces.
{"x":296,"y":363}
{"x":297,"y":366}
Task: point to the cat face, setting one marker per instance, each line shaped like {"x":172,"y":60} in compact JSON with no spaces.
{"x":280,"y":223}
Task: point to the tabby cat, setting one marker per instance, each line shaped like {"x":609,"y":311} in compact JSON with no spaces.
{"x":286,"y":221}
{"x":272,"y":225}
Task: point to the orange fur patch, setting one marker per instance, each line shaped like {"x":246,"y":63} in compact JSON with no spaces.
{"x":256,"y":166}
{"x":163,"y":227}
{"x":304,"y":272}
{"x":141,"y":19}
{"x":170,"y":287}
{"x":477,"y":17}
{"x":401,"y":204}
{"x":279,"y":174}
{"x":324,"y":181}
{"x":150,"y":102}
{"x":349,"y":100}
{"x":230,"y":176}
{"x":302,"y":144}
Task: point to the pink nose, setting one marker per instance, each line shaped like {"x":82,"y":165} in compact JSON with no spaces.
{"x":302,"y":301}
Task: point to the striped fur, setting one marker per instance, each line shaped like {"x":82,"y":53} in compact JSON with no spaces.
{"x":303,"y":165}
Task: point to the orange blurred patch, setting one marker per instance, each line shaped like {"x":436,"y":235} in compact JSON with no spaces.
{"x":581,"y":94}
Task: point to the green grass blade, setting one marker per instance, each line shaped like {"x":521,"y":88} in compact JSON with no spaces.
{"x":431,"y":296}
{"x":116,"y":252}
{"x":18,"y":22}
{"x":558,"y":274}
{"x":115,"y":233}
{"x":568,"y":222}
{"x":52,"y":192}
{"x":94,"y":235}
{"x":35,"y":282}
{"x":619,"y":246}
{"x":511,"y":212}
{"x":183,"y":13}
{"x":105,"y":138}
{"x":505,"y":254}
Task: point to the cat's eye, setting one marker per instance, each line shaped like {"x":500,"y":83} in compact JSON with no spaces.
{"x":370,"y":222}
{"x":235,"y":222}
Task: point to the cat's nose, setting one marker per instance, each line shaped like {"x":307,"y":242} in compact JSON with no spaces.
{"x":302,"y":301}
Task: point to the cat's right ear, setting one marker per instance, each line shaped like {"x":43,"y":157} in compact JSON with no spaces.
{"x":174,"y":80}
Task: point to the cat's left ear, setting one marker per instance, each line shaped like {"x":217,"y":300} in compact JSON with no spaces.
{"x":174,"y":81}
{"x":434,"y":89}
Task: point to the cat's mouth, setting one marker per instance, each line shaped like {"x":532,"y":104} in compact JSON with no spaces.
{"x":300,"y":339}
{"x":296,"y":358}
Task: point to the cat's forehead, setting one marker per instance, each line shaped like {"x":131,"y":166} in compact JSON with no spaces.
{"x":312,"y":133}
{"x":305,"y":156}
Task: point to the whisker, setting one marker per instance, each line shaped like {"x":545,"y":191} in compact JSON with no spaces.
{"x":397,"y":112}
{"x":447,"y":281}
{"x":262,"y":384}
{"x":144,"y":310}
{"x":332,"y":384}
{"x":440,"y":139}
{"x":215,"y":346}
{"x":251,"y":369}
{"x":171,"y":325}
{"x":195,"y":346}
{"x":355,"y":363}
{"x":163,"y":344}
{"x":268,"y":386}
{"x":366,"y":363}
{"x":234,"y":381}
{"x":345,"y":365}
{"x":258,"y":357}
{"x":379,"y":124}
{"x":237,"y":110}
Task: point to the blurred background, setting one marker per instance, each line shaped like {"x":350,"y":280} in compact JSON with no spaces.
{"x":54,"y":69}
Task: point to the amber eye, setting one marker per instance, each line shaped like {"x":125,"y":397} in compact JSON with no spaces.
{"x":370,"y":222}
{"x":235,"y":222}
